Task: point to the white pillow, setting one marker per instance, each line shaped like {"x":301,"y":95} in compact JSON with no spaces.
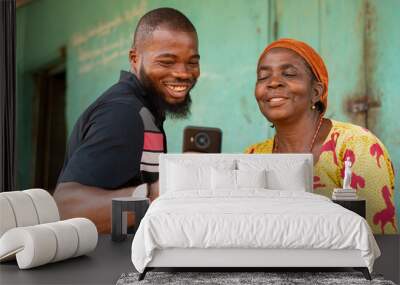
{"x":251,"y":178}
{"x":228,"y":179}
{"x":281,"y":174}
{"x":181,"y":177}
{"x":193,"y":174}
{"x":293,"y":180}
{"x":223,"y":179}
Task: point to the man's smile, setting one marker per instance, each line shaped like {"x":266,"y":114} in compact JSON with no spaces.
{"x":177,"y":87}
{"x":178,"y":90}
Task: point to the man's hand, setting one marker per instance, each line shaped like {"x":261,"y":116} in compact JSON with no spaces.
{"x":153,"y":191}
{"x":76,"y":200}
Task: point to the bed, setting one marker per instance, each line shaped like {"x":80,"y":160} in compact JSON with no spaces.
{"x":237,"y":210}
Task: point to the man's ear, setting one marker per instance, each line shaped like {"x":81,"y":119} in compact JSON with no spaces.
{"x":318,"y":90}
{"x":134,"y":60}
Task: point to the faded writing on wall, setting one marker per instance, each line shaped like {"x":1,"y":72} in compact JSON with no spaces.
{"x":98,"y":46}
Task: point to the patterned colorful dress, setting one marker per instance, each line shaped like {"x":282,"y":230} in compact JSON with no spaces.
{"x":372,"y":171}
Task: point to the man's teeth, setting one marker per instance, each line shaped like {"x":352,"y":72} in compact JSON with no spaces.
{"x":276,"y":99}
{"x":177,"y":88}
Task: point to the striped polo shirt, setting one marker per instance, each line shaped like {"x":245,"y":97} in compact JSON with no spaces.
{"x":154,"y":143}
{"x":117,"y":140}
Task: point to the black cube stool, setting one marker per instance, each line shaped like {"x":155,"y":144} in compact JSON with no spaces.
{"x":120,"y":207}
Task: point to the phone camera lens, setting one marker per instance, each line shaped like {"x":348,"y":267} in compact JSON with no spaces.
{"x":202,"y":140}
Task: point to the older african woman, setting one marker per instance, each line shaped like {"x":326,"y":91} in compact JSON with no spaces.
{"x":292,"y":91}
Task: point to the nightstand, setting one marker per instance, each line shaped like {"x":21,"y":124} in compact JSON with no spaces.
{"x":122,"y":205}
{"x":357,"y":206}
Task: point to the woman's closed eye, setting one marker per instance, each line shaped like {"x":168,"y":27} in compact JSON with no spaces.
{"x":263,"y":76}
{"x":289,"y":72}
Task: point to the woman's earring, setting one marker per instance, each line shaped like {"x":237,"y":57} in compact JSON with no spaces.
{"x":313,"y":107}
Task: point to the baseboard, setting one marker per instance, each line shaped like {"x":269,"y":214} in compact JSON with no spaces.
{"x":388,"y":263}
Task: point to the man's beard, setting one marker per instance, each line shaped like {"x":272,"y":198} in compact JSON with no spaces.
{"x":177,"y":111}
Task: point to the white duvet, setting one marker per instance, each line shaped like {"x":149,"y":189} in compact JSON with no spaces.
{"x":250,"y":219}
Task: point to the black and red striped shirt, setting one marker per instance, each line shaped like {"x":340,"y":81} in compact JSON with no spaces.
{"x":116,"y":142}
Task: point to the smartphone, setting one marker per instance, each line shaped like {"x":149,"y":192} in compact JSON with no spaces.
{"x":202,"y":139}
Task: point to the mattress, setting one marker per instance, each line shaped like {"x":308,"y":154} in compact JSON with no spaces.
{"x":250,"y":219}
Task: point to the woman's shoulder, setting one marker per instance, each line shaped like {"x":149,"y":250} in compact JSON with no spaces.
{"x":348,"y":127}
{"x":261,"y":147}
{"x":351,"y":131}
{"x":350,"y":134}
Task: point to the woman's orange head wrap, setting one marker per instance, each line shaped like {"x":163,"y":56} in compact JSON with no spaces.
{"x":313,"y":59}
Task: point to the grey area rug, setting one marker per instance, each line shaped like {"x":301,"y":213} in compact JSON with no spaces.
{"x":233,"y":278}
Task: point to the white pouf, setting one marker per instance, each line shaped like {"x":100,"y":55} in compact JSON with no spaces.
{"x":30,"y":230}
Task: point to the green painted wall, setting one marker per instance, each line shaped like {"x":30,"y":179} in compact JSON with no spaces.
{"x":358,"y":39}
{"x":385,"y":81}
